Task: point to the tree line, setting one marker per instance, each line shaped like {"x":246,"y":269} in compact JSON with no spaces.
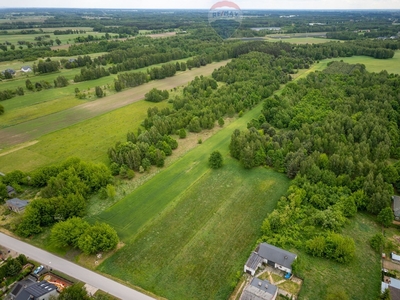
{"x":334,"y":133}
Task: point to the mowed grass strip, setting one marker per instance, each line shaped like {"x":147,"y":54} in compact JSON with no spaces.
{"x":360,"y":279}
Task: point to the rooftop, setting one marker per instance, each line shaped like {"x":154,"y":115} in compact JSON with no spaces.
{"x":259,"y":290}
{"x":17,"y":202}
{"x":36,"y":290}
{"x":277,"y":255}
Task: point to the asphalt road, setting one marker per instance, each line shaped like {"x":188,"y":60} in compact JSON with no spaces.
{"x":47,"y":259}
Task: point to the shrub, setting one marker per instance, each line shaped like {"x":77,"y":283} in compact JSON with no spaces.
{"x":215,"y":161}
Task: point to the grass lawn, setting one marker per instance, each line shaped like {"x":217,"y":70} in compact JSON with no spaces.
{"x":360,"y":279}
{"x":188,"y":230}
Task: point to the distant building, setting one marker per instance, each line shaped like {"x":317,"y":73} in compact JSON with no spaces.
{"x":259,"y":290}
{"x":71,"y":60}
{"x":396,"y":207}
{"x":16,"y":205}
{"x":10,"y":190}
{"x":30,"y":290}
{"x":26,"y":69}
{"x":272,"y":256}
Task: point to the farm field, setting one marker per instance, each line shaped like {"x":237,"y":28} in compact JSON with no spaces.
{"x":300,"y":40}
{"x":362,"y":275}
{"x":17,"y":64}
{"x":180,"y":227}
{"x":372,"y":65}
{"x":64,"y":38}
{"x":37,"y":104}
{"x":73,"y":141}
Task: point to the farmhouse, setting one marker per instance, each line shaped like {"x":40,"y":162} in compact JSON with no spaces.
{"x":271,"y":255}
{"x":26,"y":69}
{"x":34,"y":290}
{"x":396,"y":207}
{"x":259,"y":290}
{"x":16,"y":205}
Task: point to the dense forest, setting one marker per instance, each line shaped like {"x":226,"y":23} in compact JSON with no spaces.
{"x":335,"y":133}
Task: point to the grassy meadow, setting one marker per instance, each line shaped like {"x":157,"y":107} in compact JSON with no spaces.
{"x":33,"y":105}
{"x":188,"y":230}
{"x":88,"y":140}
{"x":300,"y":40}
{"x":64,"y":38}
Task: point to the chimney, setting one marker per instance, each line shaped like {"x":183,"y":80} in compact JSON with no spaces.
{"x":266,"y":285}
{"x":259,"y":283}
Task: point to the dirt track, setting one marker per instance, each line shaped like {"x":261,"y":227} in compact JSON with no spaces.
{"x":34,"y":129}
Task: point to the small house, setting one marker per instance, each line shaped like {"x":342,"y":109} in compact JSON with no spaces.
{"x":11,"y":71}
{"x":272,"y":256}
{"x":10,"y":190}
{"x":396,"y":207}
{"x":71,"y":60}
{"x":26,"y":69}
{"x":17,"y":205}
{"x":259,"y":290}
{"x":35,"y":291}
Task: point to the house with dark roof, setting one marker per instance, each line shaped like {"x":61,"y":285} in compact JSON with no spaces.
{"x":10,"y":190}
{"x":394,"y":287}
{"x":16,"y":205}
{"x":259,"y":290}
{"x":11,"y":71}
{"x":272,"y":256}
{"x":26,"y":69}
{"x":396,"y":207}
{"x":30,"y":290}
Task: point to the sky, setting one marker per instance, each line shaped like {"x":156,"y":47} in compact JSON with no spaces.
{"x":206,"y":4}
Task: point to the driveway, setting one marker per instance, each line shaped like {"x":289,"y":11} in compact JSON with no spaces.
{"x":114,"y":288}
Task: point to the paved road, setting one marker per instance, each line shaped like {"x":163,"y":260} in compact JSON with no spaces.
{"x":114,"y":288}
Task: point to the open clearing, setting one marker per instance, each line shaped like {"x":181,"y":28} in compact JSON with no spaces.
{"x":391,"y":65}
{"x":188,"y":230}
{"x":33,"y":129}
{"x":360,"y":279}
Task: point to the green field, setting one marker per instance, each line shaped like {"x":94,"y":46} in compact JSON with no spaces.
{"x":360,"y":279}
{"x":372,"y":65}
{"x":88,"y":140}
{"x":64,"y":38}
{"x":188,"y":230}
{"x":301,"y":40}
{"x":37,"y":104}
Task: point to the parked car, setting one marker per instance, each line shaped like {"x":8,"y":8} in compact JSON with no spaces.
{"x":38,"y":270}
